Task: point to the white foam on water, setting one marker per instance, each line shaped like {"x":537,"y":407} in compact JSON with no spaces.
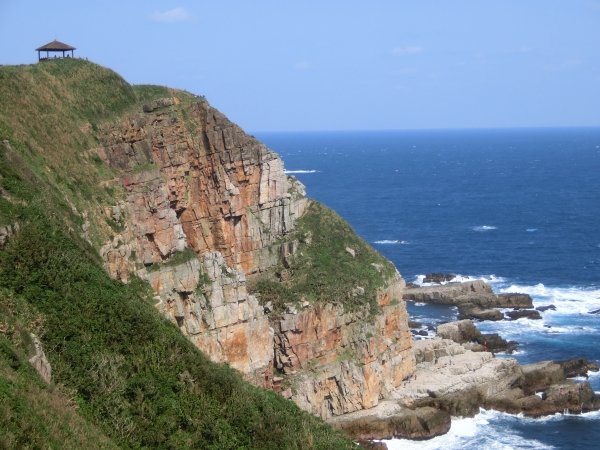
{"x":568,"y":300}
{"x":590,"y":375}
{"x":531,"y":230}
{"x":484,"y":228}
{"x":390,"y":241}
{"x":461,"y":279}
{"x":300,"y":171}
{"x":486,"y":430}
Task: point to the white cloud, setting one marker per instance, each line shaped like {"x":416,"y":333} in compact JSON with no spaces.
{"x":407,"y":50}
{"x":173,"y":15}
{"x":302,"y":65}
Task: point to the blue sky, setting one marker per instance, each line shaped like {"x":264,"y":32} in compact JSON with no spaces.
{"x":340,"y":65}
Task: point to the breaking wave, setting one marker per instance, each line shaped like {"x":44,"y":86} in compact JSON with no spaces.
{"x":390,"y":241}
{"x":487,"y":430}
{"x":300,"y":171}
{"x":484,"y":228}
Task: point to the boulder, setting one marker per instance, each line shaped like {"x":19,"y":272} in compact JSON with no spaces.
{"x":541,"y":375}
{"x":474,"y":312}
{"x":390,"y":420}
{"x":577,"y":367}
{"x":413,"y":324}
{"x":527,"y":313}
{"x":514,"y":301}
{"x":438,"y":278}
{"x":546,"y":308}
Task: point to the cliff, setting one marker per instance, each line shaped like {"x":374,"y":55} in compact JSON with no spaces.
{"x":194,"y":180}
{"x":165,"y":189}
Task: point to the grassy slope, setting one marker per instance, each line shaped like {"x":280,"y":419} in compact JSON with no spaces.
{"x":322,"y":270}
{"x":135,"y":380}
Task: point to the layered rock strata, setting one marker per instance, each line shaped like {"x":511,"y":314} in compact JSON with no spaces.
{"x":342,"y":362}
{"x":206,"y":209}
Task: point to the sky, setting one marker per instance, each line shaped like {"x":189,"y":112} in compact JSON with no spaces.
{"x":309,"y":65}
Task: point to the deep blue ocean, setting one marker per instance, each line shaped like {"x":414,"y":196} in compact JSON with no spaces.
{"x":519,"y":208}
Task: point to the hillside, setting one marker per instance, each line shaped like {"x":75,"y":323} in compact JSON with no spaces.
{"x":123,"y":367}
{"x":166,"y":262}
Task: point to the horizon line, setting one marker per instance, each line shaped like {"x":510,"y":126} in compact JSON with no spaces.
{"x":549,"y":127}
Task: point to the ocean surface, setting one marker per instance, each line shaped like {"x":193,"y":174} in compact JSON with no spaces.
{"x":519,"y":208}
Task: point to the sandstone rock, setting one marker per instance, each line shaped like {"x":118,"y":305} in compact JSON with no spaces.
{"x":413,"y":324}
{"x":341,"y":362}
{"x":351,"y":251}
{"x":390,"y":420}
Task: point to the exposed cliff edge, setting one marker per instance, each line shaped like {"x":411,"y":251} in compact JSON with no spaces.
{"x":196,"y":181}
{"x":168,"y":190}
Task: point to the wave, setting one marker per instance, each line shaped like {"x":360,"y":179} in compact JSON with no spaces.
{"x":389,"y":241}
{"x":300,"y":171}
{"x":484,"y":228}
{"x":486,"y":430}
{"x":419,"y":279}
{"x":567,"y":300}
{"x":531,"y":230}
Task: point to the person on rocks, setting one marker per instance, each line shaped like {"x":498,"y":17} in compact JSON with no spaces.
{"x":485,"y":346}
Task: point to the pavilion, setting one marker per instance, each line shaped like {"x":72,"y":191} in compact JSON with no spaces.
{"x":54,"y":46}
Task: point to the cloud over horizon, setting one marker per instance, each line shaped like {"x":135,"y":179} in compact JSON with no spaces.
{"x":173,"y":15}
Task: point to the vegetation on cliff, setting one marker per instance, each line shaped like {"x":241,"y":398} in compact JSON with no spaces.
{"x":331,"y":264}
{"x":123,"y":376}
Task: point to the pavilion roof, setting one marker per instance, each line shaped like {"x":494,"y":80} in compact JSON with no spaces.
{"x":57,"y":46}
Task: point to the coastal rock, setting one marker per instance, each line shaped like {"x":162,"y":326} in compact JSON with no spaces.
{"x":455,"y":380}
{"x":546,"y":308}
{"x":468,"y":295}
{"x":541,"y":375}
{"x":413,"y":324}
{"x":527,"y":313}
{"x":450,"y":378}
{"x":577,"y":367}
{"x":474,"y":312}
{"x":438,"y":278}
{"x":465,"y":331}
{"x":391,"y":420}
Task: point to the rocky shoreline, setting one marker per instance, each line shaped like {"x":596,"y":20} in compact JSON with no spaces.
{"x":457,"y":372}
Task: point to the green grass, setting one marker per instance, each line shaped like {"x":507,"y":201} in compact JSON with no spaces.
{"x":123,"y":375}
{"x":177,"y":258}
{"x":323,"y":270}
{"x":133,"y":373}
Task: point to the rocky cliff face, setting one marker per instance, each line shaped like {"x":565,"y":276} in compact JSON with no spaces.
{"x":344,"y":362}
{"x":206,"y":205}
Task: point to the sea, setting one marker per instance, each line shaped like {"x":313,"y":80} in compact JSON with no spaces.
{"x":518,"y":208}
